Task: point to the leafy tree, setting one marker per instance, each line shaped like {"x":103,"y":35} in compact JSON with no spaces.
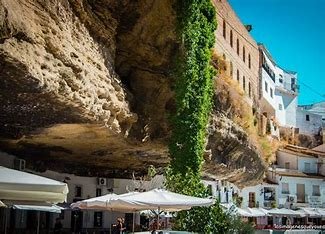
{"x":199,"y":219}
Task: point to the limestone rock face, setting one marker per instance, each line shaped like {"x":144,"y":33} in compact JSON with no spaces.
{"x":57,"y":58}
{"x":66,"y":64}
{"x":86,"y":88}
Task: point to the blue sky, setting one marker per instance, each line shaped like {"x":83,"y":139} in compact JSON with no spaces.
{"x":294,"y":33}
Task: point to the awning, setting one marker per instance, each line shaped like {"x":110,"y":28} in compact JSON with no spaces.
{"x":311,"y":212}
{"x":21,"y":186}
{"x":53,"y":208}
{"x":283,"y":211}
{"x":257,"y":212}
{"x":244,"y":213}
{"x":321,"y":211}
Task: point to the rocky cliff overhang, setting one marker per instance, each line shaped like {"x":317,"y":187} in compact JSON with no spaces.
{"x":86,"y":88}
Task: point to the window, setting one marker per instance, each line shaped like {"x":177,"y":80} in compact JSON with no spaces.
{"x":244,"y":54}
{"x":265,"y":86}
{"x":280,"y":107}
{"x":307,"y":118}
{"x":249,"y":60}
{"x":209,"y":188}
{"x":307,"y":167}
{"x":287,"y":165}
{"x":285,"y":188}
{"x":251,"y":199}
{"x":244,"y":83}
{"x":231,"y":69}
{"x":224,"y":29}
{"x":231,"y":39}
{"x":316,"y":190}
{"x":237,"y":75}
{"x":249,"y":89}
{"x":237,"y":46}
{"x":98,"y":192}
{"x":271,"y":93}
{"x":98,"y":219}
{"x":78,"y":191}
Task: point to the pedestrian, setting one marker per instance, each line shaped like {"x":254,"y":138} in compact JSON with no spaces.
{"x":123,"y":226}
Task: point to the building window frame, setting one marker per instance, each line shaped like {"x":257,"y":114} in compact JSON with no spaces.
{"x":224,"y":29}
{"x":98,"y":219}
{"x":307,"y":118}
{"x":316,"y":190}
{"x":285,"y":188}
{"x":238,"y":46}
{"x":98,"y":192}
{"x":231,"y":39}
{"x":231,"y":67}
{"x":78,"y":190}
{"x":249,"y":61}
{"x":244,"y":83}
{"x":238,"y":75}
{"x":249,"y":89}
{"x":244,"y":54}
{"x":266,"y":87}
{"x":307,"y":167}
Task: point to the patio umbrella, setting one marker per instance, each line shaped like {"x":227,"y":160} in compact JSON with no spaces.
{"x":162,"y":199}
{"x":21,"y":186}
{"x":2,"y":204}
{"x":106,"y":202}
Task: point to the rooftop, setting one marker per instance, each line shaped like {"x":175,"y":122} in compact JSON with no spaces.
{"x":295,"y":173}
{"x":303,"y":152}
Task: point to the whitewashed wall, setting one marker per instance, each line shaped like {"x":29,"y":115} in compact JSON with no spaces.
{"x":312,"y":126}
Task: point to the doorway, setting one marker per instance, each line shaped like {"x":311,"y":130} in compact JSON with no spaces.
{"x":300,"y":193}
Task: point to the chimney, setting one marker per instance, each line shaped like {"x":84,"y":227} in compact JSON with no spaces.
{"x":248,"y":27}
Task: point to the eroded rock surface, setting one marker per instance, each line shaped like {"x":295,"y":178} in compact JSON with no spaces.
{"x":86,"y":88}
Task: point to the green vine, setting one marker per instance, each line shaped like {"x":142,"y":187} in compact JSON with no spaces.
{"x":193,"y":84}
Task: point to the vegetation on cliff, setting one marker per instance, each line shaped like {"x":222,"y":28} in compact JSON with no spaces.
{"x":194,"y":91}
{"x":193,"y":84}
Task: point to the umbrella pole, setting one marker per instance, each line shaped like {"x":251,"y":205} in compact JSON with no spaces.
{"x":38,"y":219}
{"x":158,"y":218}
{"x":110,"y":228}
{"x":6,"y":220}
{"x":133,"y":221}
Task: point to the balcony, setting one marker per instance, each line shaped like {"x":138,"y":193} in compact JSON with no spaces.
{"x":292,"y":88}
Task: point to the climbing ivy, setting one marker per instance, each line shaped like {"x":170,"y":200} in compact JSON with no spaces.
{"x":194,"y":91}
{"x":193,"y":84}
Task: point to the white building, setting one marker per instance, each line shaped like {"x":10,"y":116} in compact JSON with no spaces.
{"x":279,"y":100}
{"x":316,"y":108}
{"x":299,"y":175}
{"x":278,"y":93}
{"x":80,"y":188}
{"x":261,"y":195}
{"x":308,"y":122}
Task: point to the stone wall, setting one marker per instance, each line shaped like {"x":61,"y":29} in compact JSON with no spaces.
{"x":229,"y":23}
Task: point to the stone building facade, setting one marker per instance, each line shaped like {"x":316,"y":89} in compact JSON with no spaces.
{"x":238,"y":48}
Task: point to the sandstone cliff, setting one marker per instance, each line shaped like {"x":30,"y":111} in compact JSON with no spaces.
{"x":86,"y":88}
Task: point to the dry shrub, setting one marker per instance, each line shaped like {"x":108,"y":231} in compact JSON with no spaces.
{"x":232,"y":101}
